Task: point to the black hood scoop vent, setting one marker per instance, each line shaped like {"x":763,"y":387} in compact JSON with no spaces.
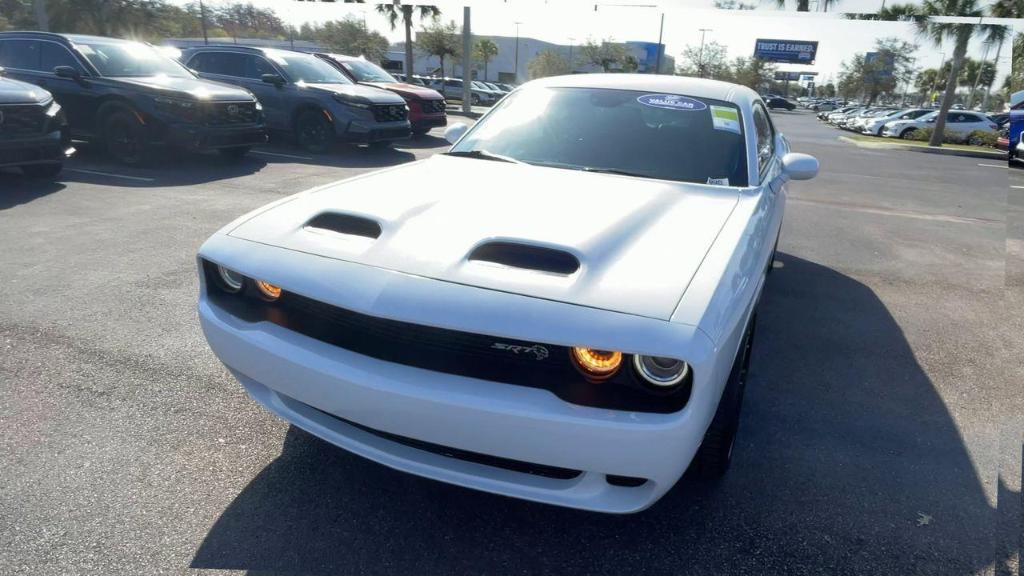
{"x":345,"y":224}
{"x":526,"y":256}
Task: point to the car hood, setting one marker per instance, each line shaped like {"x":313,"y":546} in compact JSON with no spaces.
{"x":638,"y":241}
{"x":15,"y":92}
{"x":189,"y":87}
{"x":374,"y":95}
{"x":407,"y":90}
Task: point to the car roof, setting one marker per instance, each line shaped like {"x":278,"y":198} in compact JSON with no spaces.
{"x":339,"y":57}
{"x":63,"y":38}
{"x":695,"y":87}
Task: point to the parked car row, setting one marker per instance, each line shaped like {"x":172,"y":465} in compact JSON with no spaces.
{"x":892,"y":122}
{"x":133,"y":98}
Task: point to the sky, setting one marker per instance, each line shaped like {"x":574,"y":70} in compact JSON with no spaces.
{"x":573,"y":21}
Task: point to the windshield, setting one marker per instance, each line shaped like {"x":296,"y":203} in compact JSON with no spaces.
{"x":307,"y":68}
{"x":367,"y":71}
{"x":929,"y":116}
{"x":664,"y":136}
{"x":479,"y":86}
{"x":130,"y":59}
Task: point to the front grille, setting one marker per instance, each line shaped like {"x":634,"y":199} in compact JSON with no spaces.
{"x":432,"y":106}
{"x":390,"y":113}
{"x":231,"y":113}
{"x":476,"y":457}
{"x":496,"y":359}
{"x":22,"y":120}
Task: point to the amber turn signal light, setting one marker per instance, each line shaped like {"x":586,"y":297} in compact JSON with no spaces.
{"x":269,"y":291}
{"x":597,"y":364}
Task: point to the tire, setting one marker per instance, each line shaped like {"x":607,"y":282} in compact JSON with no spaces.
{"x":908,"y":133}
{"x":975,"y":141}
{"x":313,"y":131}
{"x":42,"y":171}
{"x":125,"y":138}
{"x":715,"y":453}
{"x":380,"y":144}
{"x":234,"y":154}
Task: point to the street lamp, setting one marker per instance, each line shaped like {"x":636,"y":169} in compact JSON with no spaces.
{"x":516,"y":67}
{"x":571,"y":40}
{"x":700,"y":54}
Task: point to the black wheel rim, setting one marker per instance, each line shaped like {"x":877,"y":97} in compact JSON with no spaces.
{"x":313,"y":133}
{"x":124,"y":141}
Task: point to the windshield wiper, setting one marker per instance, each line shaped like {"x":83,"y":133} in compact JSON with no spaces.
{"x":614,"y":171}
{"x":483,"y":155}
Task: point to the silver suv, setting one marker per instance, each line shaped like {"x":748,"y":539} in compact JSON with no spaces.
{"x":305,"y":96}
{"x":451,"y":88}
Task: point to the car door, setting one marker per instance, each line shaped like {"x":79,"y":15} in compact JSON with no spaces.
{"x":33,"y":61}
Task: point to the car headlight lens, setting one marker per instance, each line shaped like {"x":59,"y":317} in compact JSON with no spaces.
{"x":258,"y":105}
{"x":661,"y":372}
{"x":597,"y":364}
{"x":231,"y":281}
{"x":53,"y":110}
{"x":268,"y":290}
{"x":352,"y":101}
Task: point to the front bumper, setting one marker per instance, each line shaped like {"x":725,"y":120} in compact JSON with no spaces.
{"x":52,"y":148}
{"x":306,"y":381}
{"x":367,"y":132}
{"x":197,"y":137}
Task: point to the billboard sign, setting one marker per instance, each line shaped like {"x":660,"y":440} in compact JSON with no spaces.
{"x":881,"y":64}
{"x":791,"y":51}
{"x":646,"y":54}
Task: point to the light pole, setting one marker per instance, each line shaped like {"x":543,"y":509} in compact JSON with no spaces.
{"x":571,"y":40}
{"x":516,"y":67}
{"x":202,"y":20}
{"x":977,"y":75}
{"x":661,"y":30}
{"x":700,"y":54}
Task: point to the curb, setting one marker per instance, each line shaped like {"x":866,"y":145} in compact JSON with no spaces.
{"x":994,"y":155}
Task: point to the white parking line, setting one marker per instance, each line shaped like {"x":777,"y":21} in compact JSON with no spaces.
{"x":281,"y":155}
{"x":993,"y":165}
{"x":112,"y":175}
{"x":1017,"y":187}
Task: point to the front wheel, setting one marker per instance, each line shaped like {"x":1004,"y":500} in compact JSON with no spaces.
{"x":908,"y":134}
{"x":46,"y":171}
{"x":313,"y":131}
{"x":125,"y":138}
{"x":715,"y":453}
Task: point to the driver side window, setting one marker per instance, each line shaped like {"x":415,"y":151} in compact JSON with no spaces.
{"x":765,"y":138}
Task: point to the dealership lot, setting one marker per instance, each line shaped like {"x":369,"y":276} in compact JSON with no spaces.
{"x":881,"y":433}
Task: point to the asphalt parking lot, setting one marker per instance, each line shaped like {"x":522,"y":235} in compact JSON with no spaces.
{"x":882,"y":425}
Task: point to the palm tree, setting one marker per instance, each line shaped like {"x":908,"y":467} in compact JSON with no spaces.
{"x":960,"y":34}
{"x":484,"y":51}
{"x":406,"y":11}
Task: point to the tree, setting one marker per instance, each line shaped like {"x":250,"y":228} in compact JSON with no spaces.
{"x":1016,"y":78}
{"x":548,"y":63}
{"x":925,"y":83}
{"x":938,"y":31}
{"x":892,"y":13}
{"x":440,"y":40}
{"x":607,"y":54}
{"x":406,"y":12}
{"x":733,"y":5}
{"x":484,"y":51}
{"x":709,"y":62}
{"x":753,"y":73}
{"x":805,"y":5}
{"x":349,"y":36}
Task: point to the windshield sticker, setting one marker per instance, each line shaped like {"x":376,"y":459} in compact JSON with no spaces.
{"x":672,"y":102}
{"x":725,"y":118}
{"x":718,"y":181}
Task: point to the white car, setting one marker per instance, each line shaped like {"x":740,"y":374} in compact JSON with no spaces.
{"x":959,"y":124}
{"x":575,"y":334}
{"x":1020,"y":148}
{"x":875,"y":124}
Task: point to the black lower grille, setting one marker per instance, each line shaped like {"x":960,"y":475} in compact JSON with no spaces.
{"x":231,"y":113}
{"x":476,"y":457}
{"x":390,"y":113}
{"x":496,"y":359}
{"x":22,"y":120}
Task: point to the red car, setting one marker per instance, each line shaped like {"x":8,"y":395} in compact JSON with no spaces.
{"x":426,"y":106}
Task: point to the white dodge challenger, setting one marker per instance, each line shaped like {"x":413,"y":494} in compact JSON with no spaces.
{"x":575,"y":332}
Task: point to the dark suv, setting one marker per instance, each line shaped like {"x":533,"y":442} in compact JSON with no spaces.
{"x":33,"y":130}
{"x":305,"y":96}
{"x":132,"y":96}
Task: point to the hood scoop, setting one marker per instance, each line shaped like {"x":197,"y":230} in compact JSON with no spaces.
{"x":348,"y":224}
{"x":527,"y":257}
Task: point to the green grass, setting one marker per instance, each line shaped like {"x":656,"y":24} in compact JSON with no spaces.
{"x":900,"y":142}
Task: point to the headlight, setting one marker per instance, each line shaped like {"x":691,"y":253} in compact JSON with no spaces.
{"x":231,"y":281}
{"x":352,"y":101}
{"x":268,"y":290}
{"x":53,"y":110}
{"x":597,"y":364}
{"x":661,"y":372}
{"x":187,"y":110}
{"x":258,"y":105}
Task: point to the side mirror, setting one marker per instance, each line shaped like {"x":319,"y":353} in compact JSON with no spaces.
{"x":68,"y":72}
{"x":797,"y":166}
{"x":274,"y":79}
{"x":455,"y":131}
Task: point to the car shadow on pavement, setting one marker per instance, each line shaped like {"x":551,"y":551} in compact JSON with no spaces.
{"x":848,"y":462}
{"x":17,"y":189}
